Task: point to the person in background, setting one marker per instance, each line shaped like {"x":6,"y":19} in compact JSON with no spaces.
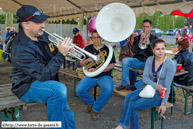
{"x":13,"y":29}
{"x":1,"y":41}
{"x":89,"y":40}
{"x":103,"y":80}
{"x":157,"y":67}
{"x":140,"y":55}
{"x":35,"y":66}
{"x":122,"y":43}
{"x":188,"y":36}
{"x":78,"y":40}
{"x":131,"y":40}
{"x":7,"y":33}
{"x":178,"y":35}
{"x":125,"y":52}
{"x":184,"y":57}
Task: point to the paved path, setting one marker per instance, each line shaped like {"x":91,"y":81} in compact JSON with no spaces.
{"x":168,"y":39}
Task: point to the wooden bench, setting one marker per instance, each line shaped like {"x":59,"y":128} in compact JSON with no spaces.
{"x":9,"y":104}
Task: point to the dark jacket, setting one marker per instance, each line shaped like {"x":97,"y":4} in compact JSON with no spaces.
{"x":30,"y":63}
{"x":125,"y":51}
{"x":185,"y":57}
{"x":143,"y":54}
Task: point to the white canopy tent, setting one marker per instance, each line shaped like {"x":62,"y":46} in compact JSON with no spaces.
{"x":68,"y":9}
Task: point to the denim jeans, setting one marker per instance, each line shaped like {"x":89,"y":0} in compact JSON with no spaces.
{"x":132,"y":77}
{"x":86,"y":83}
{"x":132,"y":104}
{"x":54,"y":94}
{"x":139,"y":84}
{"x":133,"y":63}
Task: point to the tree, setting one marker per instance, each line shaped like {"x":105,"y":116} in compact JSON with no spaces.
{"x":2,"y":18}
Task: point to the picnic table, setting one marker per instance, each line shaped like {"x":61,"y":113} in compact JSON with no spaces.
{"x":170,"y":52}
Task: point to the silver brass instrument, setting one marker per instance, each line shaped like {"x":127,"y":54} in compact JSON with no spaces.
{"x":115,"y":22}
{"x":143,"y":43}
{"x":78,"y":53}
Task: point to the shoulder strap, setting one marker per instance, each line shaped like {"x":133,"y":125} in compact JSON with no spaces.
{"x":161,"y":70}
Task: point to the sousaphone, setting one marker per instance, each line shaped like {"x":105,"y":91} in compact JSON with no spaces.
{"x":115,"y":22}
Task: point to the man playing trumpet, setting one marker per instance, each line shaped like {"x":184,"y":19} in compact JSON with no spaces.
{"x":142,"y":49}
{"x":36,"y":62}
{"x":103,"y":80}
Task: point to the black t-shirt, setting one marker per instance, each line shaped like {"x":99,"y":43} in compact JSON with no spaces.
{"x":92,"y":50}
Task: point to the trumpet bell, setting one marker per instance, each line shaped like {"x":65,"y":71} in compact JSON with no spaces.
{"x":115,"y":22}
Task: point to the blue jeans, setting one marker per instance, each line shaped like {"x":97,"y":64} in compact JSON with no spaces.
{"x":132,"y":104}
{"x":132,"y":77}
{"x":139,"y":84}
{"x":54,"y":94}
{"x":86,"y":83}
{"x":133,"y":63}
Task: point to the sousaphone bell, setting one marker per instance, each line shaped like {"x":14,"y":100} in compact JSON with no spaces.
{"x":115,"y":22}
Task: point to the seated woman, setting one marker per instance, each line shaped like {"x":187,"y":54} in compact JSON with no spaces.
{"x":151,"y":74}
{"x":184,"y":57}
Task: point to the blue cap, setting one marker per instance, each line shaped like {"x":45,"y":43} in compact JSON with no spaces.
{"x":75,"y":30}
{"x":26,"y":12}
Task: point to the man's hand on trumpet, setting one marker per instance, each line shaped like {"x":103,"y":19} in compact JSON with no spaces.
{"x":65,"y":46}
{"x":145,"y":37}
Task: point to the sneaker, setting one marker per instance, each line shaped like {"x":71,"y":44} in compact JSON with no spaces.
{"x":121,"y":87}
{"x":130,"y":87}
{"x":88,"y":109}
{"x":94,"y":115}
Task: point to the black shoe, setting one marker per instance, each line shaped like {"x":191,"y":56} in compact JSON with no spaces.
{"x":121,"y":87}
{"x":130,"y":87}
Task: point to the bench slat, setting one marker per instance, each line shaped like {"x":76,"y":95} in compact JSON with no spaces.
{"x":69,"y":72}
{"x":122,"y":92}
{"x":189,"y":88}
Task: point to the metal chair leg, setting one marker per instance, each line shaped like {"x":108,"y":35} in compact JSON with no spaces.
{"x":152,"y":117}
{"x":186,"y":103}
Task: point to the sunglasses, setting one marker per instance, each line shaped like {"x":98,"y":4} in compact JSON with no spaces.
{"x":37,"y":13}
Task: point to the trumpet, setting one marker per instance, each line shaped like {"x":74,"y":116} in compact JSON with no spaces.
{"x":78,"y":53}
{"x":143,"y":43}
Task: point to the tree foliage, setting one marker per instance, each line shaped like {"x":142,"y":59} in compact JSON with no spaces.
{"x":3,"y":18}
{"x":161,"y":21}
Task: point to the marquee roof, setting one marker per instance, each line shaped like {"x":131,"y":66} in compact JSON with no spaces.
{"x":68,"y":9}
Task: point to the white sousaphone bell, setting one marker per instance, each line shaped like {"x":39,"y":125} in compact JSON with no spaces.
{"x":115,"y":22}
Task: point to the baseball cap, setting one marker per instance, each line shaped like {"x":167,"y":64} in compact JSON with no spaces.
{"x":75,"y":30}
{"x":31,"y":13}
